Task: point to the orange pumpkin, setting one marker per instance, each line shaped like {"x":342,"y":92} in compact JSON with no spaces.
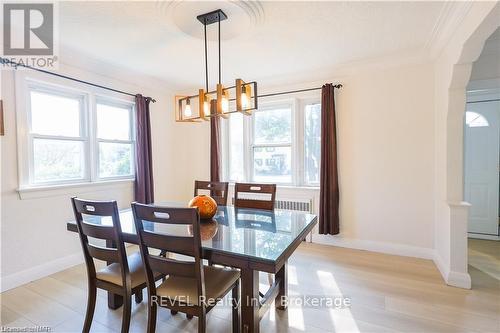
{"x":207,"y":207}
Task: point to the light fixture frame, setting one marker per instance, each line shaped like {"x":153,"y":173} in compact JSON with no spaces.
{"x":252,"y":100}
{"x":217,"y":16}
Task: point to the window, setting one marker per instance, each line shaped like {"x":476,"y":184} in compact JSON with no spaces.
{"x":272,"y":145}
{"x":312,"y":143}
{"x":114,"y":137}
{"x":279,"y":143}
{"x":58,"y":137}
{"x":75,"y":136}
{"x":474,"y":119}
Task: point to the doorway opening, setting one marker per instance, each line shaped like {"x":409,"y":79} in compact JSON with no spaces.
{"x":482,"y":162}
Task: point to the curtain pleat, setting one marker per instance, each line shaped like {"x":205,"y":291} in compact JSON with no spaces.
{"x":215,"y":150}
{"x":144,"y":186}
{"x":329,"y":184}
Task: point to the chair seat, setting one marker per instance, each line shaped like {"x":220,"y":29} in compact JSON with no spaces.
{"x":112,"y":273}
{"x":217,"y":281}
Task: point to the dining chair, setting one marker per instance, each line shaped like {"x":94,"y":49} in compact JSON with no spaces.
{"x":123,"y":275}
{"x":218,"y":190}
{"x":257,"y":196}
{"x":189,"y":283}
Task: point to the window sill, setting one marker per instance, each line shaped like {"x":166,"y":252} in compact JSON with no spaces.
{"x":34,"y":192}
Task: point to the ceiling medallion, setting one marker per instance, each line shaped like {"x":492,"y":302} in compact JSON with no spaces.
{"x":218,"y":102}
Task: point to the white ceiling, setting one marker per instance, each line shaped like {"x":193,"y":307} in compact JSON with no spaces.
{"x":263,"y":40}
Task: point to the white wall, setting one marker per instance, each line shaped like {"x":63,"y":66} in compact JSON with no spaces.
{"x":386,"y":159}
{"x":386,"y":153}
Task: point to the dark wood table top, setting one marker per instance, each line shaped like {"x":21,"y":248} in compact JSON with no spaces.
{"x":265,"y":238}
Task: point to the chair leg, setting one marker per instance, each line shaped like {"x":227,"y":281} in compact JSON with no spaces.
{"x":90,"y":307}
{"x":152,"y":312}
{"x":127,"y":300}
{"x":236,"y":307}
{"x":202,"y":323}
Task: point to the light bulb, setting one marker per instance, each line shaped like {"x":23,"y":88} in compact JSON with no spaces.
{"x":187,"y":110}
{"x":244,"y":100}
{"x":225,"y":104}
{"x":206,"y":108}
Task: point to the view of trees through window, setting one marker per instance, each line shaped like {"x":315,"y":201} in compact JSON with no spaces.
{"x":281,"y":144}
{"x":312,"y":142}
{"x":272,"y":146}
{"x":62,"y":143}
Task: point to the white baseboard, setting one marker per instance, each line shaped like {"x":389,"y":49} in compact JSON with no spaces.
{"x":452,"y":278}
{"x":40,"y":271}
{"x":482,"y":236}
{"x":460,"y":280}
{"x":382,"y":247}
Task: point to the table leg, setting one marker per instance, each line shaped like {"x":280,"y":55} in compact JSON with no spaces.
{"x":250,"y":300}
{"x":282,"y":274}
{"x":114,"y":300}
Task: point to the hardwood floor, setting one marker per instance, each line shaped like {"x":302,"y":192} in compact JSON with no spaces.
{"x":387,"y":293}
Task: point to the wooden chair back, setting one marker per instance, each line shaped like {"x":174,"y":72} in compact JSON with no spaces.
{"x":249,"y":196}
{"x":218,"y":190}
{"x":110,"y":234}
{"x":187,"y":245}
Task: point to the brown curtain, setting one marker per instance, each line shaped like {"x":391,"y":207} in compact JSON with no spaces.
{"x":329,"y":183}
{"x":215,"y":150}
{"x":144,"y":187}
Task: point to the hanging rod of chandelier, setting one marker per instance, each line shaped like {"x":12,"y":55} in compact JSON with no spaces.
{"x":217,"y":102}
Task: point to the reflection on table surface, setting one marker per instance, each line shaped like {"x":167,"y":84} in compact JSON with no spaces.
{"x":249,"y":232}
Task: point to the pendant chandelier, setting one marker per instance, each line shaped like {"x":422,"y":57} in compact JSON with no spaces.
{"x":218,"y":102}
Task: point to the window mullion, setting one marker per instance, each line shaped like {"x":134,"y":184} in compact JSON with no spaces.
{"x":93,"y":147}
{"x":248,"y":143}
{"x":300,"y":143}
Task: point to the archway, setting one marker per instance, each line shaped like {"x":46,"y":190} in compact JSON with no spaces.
{"x":451,"y":218}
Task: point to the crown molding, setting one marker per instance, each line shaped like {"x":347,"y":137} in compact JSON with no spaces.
{"x":451,"y":16}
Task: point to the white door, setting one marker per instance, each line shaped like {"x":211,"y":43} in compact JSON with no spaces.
{"x":482,"y":166}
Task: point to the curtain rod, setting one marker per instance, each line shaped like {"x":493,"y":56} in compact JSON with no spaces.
{"x":338,"y":86}
{"x":6,"y":61}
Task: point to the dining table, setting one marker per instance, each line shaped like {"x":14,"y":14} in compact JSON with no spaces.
{"x":252,"y":240}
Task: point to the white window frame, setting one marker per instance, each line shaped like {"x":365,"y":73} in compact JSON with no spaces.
{"x":100,"y":99}
{"x":302,"y":115}
{"x":251,"y":143}
{"x":29,"y":81}
{"x":37,"y":87}
{"x":297,"y":144}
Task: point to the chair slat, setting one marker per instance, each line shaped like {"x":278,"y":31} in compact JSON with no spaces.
{"x":172,"y":267}
{"x":96,"y":208}
{"x":102,"y":253}
{"x":177,"y":244}
{"x":98,"y":231}
{"x":248,"y":188}
{"x":218,"y":190}
{"x":166,"y":215}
